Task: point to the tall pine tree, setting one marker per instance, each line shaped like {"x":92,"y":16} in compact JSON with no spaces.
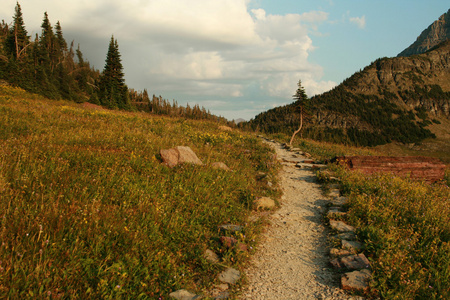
{"x":302,"y":105}
{"x":17,"y":39}
{"x":113,"y":92}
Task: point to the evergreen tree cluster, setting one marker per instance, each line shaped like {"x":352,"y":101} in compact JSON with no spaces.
{"x":46,"y":65}
{"x":160,"y":106}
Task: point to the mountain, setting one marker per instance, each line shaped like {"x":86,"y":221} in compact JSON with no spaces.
{"x":435,"y":34}
{"x":392,"y":99}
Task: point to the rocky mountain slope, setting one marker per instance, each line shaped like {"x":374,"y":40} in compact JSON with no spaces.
{"x":392,"y":99}
{"x":435,"y":34}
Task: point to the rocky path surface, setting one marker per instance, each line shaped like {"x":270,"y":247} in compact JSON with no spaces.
{"x":292,"y":261}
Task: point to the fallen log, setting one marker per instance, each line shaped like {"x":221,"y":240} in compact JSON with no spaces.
{"x":415,"y":167}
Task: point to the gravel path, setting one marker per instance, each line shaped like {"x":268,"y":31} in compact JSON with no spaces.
{"x":292,"y":261}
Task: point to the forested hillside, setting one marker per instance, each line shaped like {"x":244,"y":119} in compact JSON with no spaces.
{"x":47,"y":65}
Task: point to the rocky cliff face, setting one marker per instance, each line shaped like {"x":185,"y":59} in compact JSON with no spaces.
{"x":435,"y":34}
{"x":417,"y":81}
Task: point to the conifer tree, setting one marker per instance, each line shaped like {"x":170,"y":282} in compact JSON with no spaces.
{"x":61,"y":44}
{"x":113,"y":92}
{"x":17,"y":39}
{"x":301,"y":104}
{"x":47,"y":44}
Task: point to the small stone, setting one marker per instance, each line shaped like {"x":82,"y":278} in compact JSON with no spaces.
{"x":223,"y":295}
{"x":352,"y":245}
{"x":230,"y":276}
{"x":334,"y":213}
{"x":356,"y":280}
{"x":355,"y":262}
{"x":264,"y":203}
{"x":222,"y":286}
{"x":230,"y":228}
{"x":339,"y":201}
{"x":341,"y":226}
{"x":242,"y":247}
{"x":228,"y":242}
{"x":225,"y":128}
{"x":334,"y":193}
{"x":220,"y":165}
{"x":334,"y":252}
{"x":336,"y":263}
{"x":334,"y":186}
{"x":211,"y":256}
{"x":184,"y":295}
{"x":349,"y":236}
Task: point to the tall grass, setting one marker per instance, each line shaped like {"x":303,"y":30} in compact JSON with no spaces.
{"x":87,"y":209}
{"x":406,"y":228}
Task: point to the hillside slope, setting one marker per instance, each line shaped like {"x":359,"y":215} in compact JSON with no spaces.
{"x":89,"y":211}
{"x":393,"y":99}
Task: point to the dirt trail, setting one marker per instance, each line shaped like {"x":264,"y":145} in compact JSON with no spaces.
{"x":292,"y":261}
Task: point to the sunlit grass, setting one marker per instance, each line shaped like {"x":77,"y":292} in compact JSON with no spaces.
{"x":88,"y":210}
{"x":406,"y":228}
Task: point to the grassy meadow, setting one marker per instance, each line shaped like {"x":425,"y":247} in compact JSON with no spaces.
{"x":404,"y":224}
{"x":88,"y":210}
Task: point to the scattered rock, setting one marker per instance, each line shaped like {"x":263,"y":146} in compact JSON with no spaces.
{"x":356,"y":280}
{"x":230,"y":228}
{"x":230,"y":276}
{"x":351,"y":262}
{"x":220,"y":165}
{"x":228,"y":242}
{"x":334,"y":186}
{"x":220,"y":291}
{"x":242,"y":247}
{"x":349,"y":236}
{"x":333,"y":213}
{"x":261,"y":175}
{"x":356,"y":262}
{"x":318,"y":167}
{"x":264,"y":203}
{"x":184,"y":295}
{"x":339,"y":201}
{"x":223,"y":295}
{"x":334,"y":193}
{"x":334,"y":252}
{"x":211,"y":256}
{"x":341,"y":226}
{"x":225,"y":128}
{"x":179,"y":155}
{"x":352,"y":245}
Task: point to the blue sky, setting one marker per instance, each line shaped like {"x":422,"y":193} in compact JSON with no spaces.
{"x":235,"y":57}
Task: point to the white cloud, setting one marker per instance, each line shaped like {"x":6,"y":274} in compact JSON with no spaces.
{"x":193,"y":48}
{"x":359,"y":21}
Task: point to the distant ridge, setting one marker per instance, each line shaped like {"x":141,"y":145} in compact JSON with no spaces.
{"x":435,"y":34}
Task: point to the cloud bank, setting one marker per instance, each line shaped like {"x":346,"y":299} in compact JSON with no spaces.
{"x":219,"y":53}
